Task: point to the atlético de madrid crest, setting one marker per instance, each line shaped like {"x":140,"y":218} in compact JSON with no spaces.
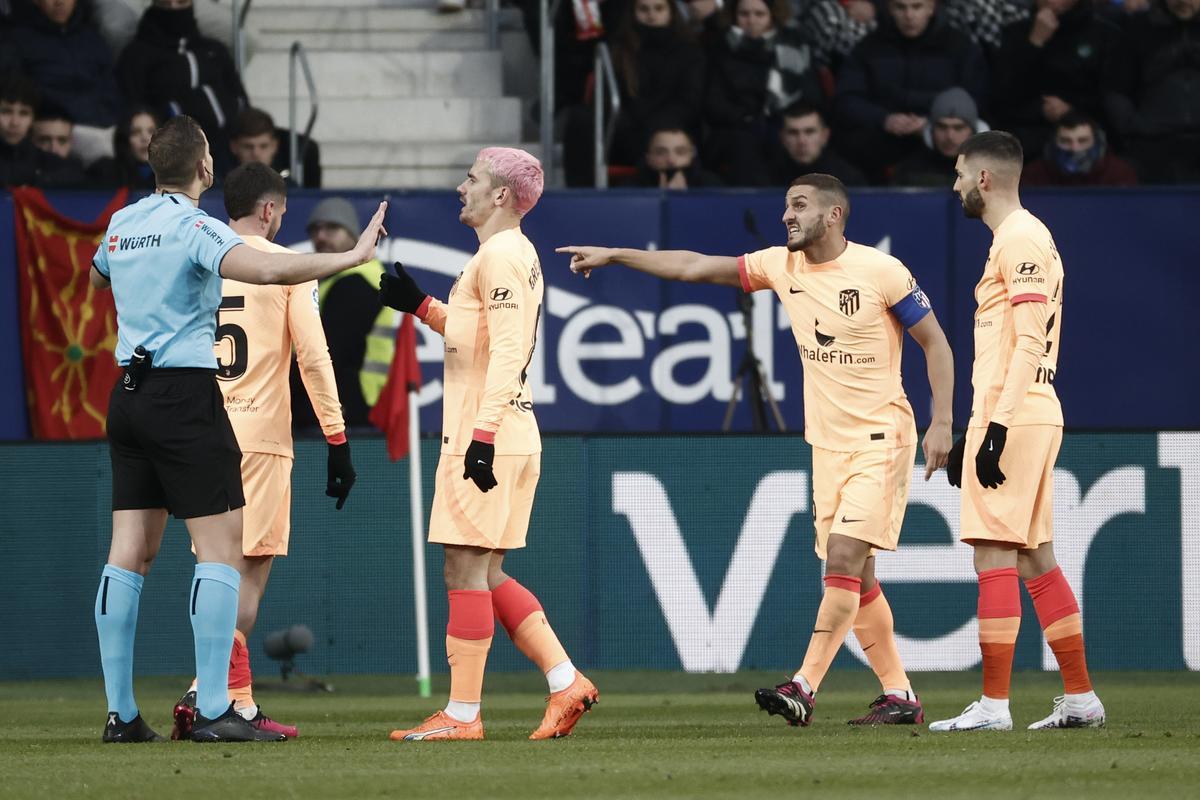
{"x":848,"y":301}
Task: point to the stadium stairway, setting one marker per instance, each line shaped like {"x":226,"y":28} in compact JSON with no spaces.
{"x":406,"y":96}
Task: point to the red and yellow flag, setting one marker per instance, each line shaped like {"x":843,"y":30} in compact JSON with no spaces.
{"x":68,"y":328}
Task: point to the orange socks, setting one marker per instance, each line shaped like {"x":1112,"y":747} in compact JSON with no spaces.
{"x":521,"y":615}
{"x":1059,"y":615}
{"x":874,"y":629}
{"x":834,"y":618}
{"x":240,"y":678}
{"x":468,"y":639}
{"x":999,"y":622}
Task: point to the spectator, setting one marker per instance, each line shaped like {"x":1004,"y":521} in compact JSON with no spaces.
{"x":170,"y":67}
{"x":360,"y":330}
{"x":254,"y":137}
{"x":757,"y":68}
{"x":670,"y":161}
{"x":1049,"y":65}
{"x":1153,"y":95}
{"x":835,"y":27}
{"x":1078,"y":156}
{"x":984,"y":20}
{"x":888,"y":82}
{"x":130,"y":164}
{"x":953,"y":119}
{"x":660,"y":74}
{"x":804,"y":149}
{"x":52,"y":133}
{"x":66,"y":57}
{"x":21,"y":163}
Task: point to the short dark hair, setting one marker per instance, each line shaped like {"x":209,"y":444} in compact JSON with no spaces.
{"x":16,"y":88}
{"x":175,"y":149}
{"x":1076,"y":119}
{"x":252,"y":122}
{"x":246,"y":186}
{"x":52,"y":112}
{"x":802,"y":109}
{"x":996,"y":145}
{"x":833,"y":189}
{"x":668,"y":126}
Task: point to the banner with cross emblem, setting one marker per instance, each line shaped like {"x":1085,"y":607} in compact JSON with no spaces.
{"x":68,"y":327}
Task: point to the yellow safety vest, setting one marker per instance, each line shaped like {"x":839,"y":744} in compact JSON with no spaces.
{"x":381,"y":340}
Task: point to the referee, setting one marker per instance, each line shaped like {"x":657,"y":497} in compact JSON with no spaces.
{"x":172,"y":448}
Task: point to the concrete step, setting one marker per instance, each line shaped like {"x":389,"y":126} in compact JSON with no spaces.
{"x":358,"y":40}
{"x":350,"y":74}
{"x":392,"y":177}
{"x":449,"y":119}
{"x":362,"y":154}
{"x":378,"y":18}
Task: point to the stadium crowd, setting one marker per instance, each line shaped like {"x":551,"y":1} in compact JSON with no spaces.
{"x":883,"y":92}
{"x":79,"y":99}
{"x":713,"y":92}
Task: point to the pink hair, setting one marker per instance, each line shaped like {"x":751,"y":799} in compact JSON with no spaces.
{"x":519,"y":171}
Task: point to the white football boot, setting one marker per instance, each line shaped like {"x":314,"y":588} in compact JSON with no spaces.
{"x":975,"y":717}
{"x":1076,"y":711}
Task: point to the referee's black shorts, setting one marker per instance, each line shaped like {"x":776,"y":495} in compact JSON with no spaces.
{"x":172,"y":445}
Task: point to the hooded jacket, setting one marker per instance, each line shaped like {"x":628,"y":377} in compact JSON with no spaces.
{"x":1153,"y":89}
{"x":71,"y":65}
{"x":170,"y":67}
{"x":888,"y":73}
{"x":1069,"y":66}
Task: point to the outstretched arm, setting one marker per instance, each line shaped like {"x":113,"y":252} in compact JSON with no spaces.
{"x":243,"y":263}
{"x":673,"y":265}
{"x":939,"y":362}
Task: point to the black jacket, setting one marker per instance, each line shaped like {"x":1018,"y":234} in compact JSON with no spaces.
{"x":170,"y":67}
{"x":1069,"y":66}
{"x":888,"y":73}
{"x":737,"y":94}
{"x":1153,"y":88}
{"x":71,"y":65}
{"x":926,"y":167}
{"x":25,"y":165}
{"x":784,"y":170}
{"x":669,"y":80}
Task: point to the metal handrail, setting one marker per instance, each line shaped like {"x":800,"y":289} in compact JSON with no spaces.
{"x":493,"y":24}
{"x":240,"y":10}
{"x":297,"y":55}
{"x":604,"y":82}
{"x":548,"y":11}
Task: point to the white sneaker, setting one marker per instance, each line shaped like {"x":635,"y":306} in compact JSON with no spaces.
{"x":975,"y":718}
{"x":1068,"y":714}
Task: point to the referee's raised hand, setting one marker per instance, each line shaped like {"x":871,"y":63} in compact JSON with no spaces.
{"x":371,"y":235}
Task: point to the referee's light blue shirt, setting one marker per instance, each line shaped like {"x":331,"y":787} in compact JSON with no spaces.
{"x":163,"y":258}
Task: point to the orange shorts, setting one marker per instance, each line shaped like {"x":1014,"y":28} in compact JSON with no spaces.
{"x":861,"y":495}
{"x":1021,"y":510}
{"x":497,"y":520}
{"x":267,"y":517}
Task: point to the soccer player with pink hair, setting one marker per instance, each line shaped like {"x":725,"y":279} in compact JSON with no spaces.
{"x":491,"y":448}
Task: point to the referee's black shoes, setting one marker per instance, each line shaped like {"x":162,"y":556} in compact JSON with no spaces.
{"x":118,"y":732}
{"x":230,"y":727}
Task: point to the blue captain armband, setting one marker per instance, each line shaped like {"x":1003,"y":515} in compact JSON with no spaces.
{"x":912,"y":308}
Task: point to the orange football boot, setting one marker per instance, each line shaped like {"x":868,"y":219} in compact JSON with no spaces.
{"x":563,"y":709}
{"x":442,"y":726}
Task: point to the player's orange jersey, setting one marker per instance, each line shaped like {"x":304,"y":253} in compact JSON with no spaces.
{"x":848,"y":316}
{"x":1016,"y":354}
{"x":257,"y":327}
{"x":490,"y":325}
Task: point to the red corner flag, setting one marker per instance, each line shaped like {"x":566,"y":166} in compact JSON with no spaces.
{"x":390,"y":413}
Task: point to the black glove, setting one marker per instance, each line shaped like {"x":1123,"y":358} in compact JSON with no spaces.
{"x":954,"y":465}
{"x":400,"y":291}
{"x":480,"y":456}
{"x":340,"y":473}
{"x":987,"y":460}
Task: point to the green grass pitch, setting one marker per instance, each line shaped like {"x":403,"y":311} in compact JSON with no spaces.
{"x":653,"y":735}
